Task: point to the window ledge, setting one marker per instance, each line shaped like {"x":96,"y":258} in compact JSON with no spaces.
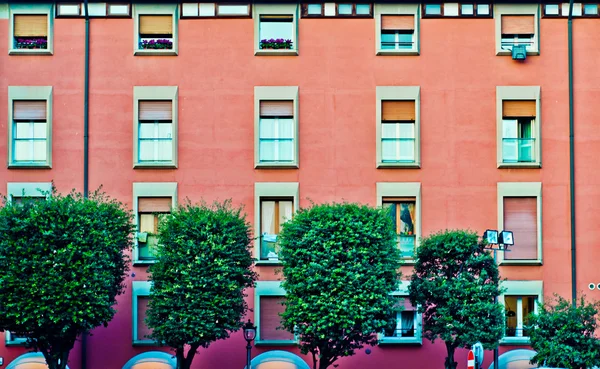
{"x":145,"y":343}
{"x":288,"y":52}
{"x":30,"y":52}
{"x":29,"y":166}
{"x":408,"y":261}
{"x":521,"y":262}
{"x":399,"y":341}
{"x":397,"y":52}
{"x":509,"y":52}
{"x":520,"y":165}
{"x":268,"y":262}
{"x":172,"y":52}
{"x":15,"y":343}
{"x":143,"y":262}
{"x":414,"y":165}
{"x":275,"y":343}
{"x":276,"y":166}
{"x":154,"y":165}
{"x":515,"y":341}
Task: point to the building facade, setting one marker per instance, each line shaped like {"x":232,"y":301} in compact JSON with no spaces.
{"x":452,"y":115}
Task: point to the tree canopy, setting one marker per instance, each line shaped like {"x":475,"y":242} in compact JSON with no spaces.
{"x":340,"y":262}
{"x":203,"y":266}
{"x":454,"y":283}
{"x":563,"y":335}
{"x":63,"y":264}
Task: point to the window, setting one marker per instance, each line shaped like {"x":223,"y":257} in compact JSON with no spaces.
{"x":276,"y":127}
{"x":397,"y":29}
{"x":155,"y":30}
{"x":590,"y":10}
{"x":99,"y":10}
{"x":30,"y":30}
{"x":275,"y":29}
{"x":516,"y":25}
{"x":552,"y":10}
{"x":398,"y":126}
{"x":520,"y":299}
{"x":16,"y":192}
{"x":520,"y":211}
{"x":193,"y":10}
{"x":151,"y":201}
{"x":457,"y":10}
{"x":155,"y":126}
{"x":407,"y":329}
{"x":402,"y":202}
{"x":30,"y":134}
{"x":140,"y":299}
{"x":337,"y":10}
{"x":269,"y":296}
{"x":519,"y":141}
{"x":275,"y":204}
{"x":562,"y":10}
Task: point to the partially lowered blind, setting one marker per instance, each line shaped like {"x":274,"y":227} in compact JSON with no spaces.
{"x":29,"y":25}
{"x":397,"y":22}
{"x":398,"y":110}
{"x":276,"y":108}
{"x":520,"y":216}
{"x":270,"y":308}
{"x":518,"y":25}
{"x":29,"y":110}
{"x":156,"y":24}
{"x":155,"y":110}
{"x":154,"y":204}
{"x":518,"y":108}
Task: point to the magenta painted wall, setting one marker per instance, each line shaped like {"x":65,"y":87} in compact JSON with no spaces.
{"x":337,"y":73}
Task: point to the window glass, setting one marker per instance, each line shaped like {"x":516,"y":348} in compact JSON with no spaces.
{"x":552,"y":9}
{"x":363,"y":9}
{"x":404,"y":319}
{"x":433,"y":9}
{"x":271,"y":28}
{"x":467,"y":9}
{"x":273,"y":213}
{"x":403,"y":215}
{"x":345,"y":9}
{"x":314,"y":9}
{"x":517,"y":310}
{"x":483,"y":9}
{"x":233,"y":9}
{"x":590,"y":9}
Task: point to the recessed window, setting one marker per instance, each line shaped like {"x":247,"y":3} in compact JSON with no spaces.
{"x":517,"y":310}
{"x":342,"y":10}
{"x":270,"y":320}
{"x":520,"y":217}
{"x":215,"y":10}
{"x":155,"y":131}
{"x":276,"y":131}
{"x":468,"y":10}
{"x":433,"y":9}
{"x":402,"y":212}
{"x":141,"y":299}
{"x":517,"y":30}
{"x":314,"y":9}
{"x":397,"y":32}
{"x":273,"y":213}
{"x":518,"y":140}
{"x":97,"y":10}
{"x":30,"y":132}
{"x":30,"y":31}
{"x":276,"y":32}
{"x":590,"y":10}
{"x":156,"y":32}
{"x":552,"y":9}
{"x":398,"y":131}
{"x":150,"y":212}
{"x":406,"y":320}
{"x":517,"y":25}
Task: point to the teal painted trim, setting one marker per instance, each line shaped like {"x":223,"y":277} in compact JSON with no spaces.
{"x":155,"y":9}
{"x":30,"y":93}
{"x":267,"y":288}
{"x":47,"y":9}
{"x":276,"y":343}
{"x":139,"y":288}
{"x":13,"y":342}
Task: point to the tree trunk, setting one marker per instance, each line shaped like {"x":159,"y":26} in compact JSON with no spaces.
{"x":450,"y":363}
{"x":184,"y":362}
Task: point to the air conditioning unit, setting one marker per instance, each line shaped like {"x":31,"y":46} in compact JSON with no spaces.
{"x":519,"y":52}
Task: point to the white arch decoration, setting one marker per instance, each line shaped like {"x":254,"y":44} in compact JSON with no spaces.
{"x":151,"y":360}
{"x":30,"y":360}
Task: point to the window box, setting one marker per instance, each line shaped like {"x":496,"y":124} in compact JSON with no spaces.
{"x":275,"y":29}
{"x":155,"y":29}
{"x":517,"y":25}
{"x":30,"y":29}
{"x":397,"y":29}
{"x":278,"y":43}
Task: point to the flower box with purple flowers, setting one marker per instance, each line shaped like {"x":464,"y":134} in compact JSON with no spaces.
{"x":275,"y":43}
{"x":31,"y":43}
{"x":156,"y":44}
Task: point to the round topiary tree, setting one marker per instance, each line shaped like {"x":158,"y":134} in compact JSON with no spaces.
{"x":340,"y":262}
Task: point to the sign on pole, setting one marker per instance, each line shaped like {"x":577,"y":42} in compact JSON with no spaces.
{"x":471,"y":360}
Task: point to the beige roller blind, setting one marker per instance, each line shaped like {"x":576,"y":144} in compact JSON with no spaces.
{"x":397,"y":22}
{"x":518,"y":25}
{"x":29,"y":110}
{"x":30,"y":25}
{"x":520,"y":217}
{"x":518,"y":108}
{"x":156,"y":24}
{"x":276,"y":108}
{"x":155,"y":110}
{"x":401,"y":110}
{"x":154,"y":204}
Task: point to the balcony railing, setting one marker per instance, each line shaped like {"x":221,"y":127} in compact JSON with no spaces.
{"x":518,"y":150}
{"x":517,"y":332}
{"x":398,"y":150}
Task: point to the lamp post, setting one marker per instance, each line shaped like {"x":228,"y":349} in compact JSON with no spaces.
{"x":498,"y":241}
{"x":249,"y":335}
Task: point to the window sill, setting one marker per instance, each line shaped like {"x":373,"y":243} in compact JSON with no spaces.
{"x":384,"y":341}
{"x":29,"y":166}
{"x":521,"y":262}
{"x":164,"y":52}
{"x":154,"y":165}
{"x":408,"y":261}
{"x":145,"y":343}
{"x":143,"y":262}
{"x":397,"y":52}
{"x":30,"y":52}
{"x":520,"y":165}
{"x":520,"y":341}
{"x":19,"y":343}
{"x":285,"y":52}
{"x":275,"y":343}
{"x":413,"y":165}
{"x":268,"y":262}
{"x":276,"y":166}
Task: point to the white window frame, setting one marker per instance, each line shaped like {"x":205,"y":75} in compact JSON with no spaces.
{"x":37,"y":9}
{"x":276,"y":9}
{"x":397,"y":9}
{"x":521,"y":288}
{"x":517,"y":9}
{"x":154,"y":9}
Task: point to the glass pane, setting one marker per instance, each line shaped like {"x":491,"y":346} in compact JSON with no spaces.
{"x":363,"y":9}
{"x":407,"y":150}
{"x":39,"y":130}
{"x":165,"y":150}
{"x":23,"y":150}
{"x":390,"y":130}
{"x":286,"y":150}
{"x":267,"y":151}
{"x":24,"y":130}
{"x":146,"y":150}
{"x":165,"y":130}
{"x":286,"y":208}
{"x":509,"y":150}
{"x":276,"y":30}
{"x":147,"y":223}
{"x":314,"y":9}
{"x":509,"y":128}
{"x":345,"y":9}
{"x":433,"y":9}
{"x":467,"y":9}
{"x":267,"y":128}
{"x":526,"y":150}
{"x":39,"y":150}
{"x":407,"y":130}
{"x":389,"y":151}
{"x":407,"y":246}
{"x":388,"y":40}
{"x":590,"y":9}
{"x":286,"y":128}
{"x":408,"y":323}
{"x":407,"y":218}
{"x":483,"y":9}
{"x":524,"y":129}
{"x":147,"y":250}
{"x":405,"y":40}
{"x":233,"y":9}
{"x":552,"y":9}
{"x":147,"y":130}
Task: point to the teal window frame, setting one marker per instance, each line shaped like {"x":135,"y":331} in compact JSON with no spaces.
{"x":268,"y":288}
{"x":139,"y":289}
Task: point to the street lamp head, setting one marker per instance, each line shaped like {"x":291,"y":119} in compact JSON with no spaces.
{"x":491,"y":236}
{"x":506,"y":238}
{"x":249,"y":331}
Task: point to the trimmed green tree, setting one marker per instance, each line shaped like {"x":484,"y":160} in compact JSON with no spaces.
{"x":203,"y":266}
{"x":340,"y":262}
{"x":454,"y":284}
{"x":63,"y":264}
{"x":563,"y":335}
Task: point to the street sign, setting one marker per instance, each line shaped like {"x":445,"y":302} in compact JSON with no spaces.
{"x":478,"y":351}
{"x":471,"y":360}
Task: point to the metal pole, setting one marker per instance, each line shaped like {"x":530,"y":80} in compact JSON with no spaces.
{"x":572,"y":160}
{"x":248,"y":348}
{"x":495,"y":301}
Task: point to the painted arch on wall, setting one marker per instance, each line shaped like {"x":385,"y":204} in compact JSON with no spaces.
{"x":30,"y":360}
{"x":278,"y":359}
{"x":515,"y":359}
{"x":151,"y":360}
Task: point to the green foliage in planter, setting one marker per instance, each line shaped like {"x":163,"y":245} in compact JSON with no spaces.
{"x":63,"y":264}
{"x":454,"y":283}
{"x":563,"y":335}
{"x":340,"y":262}
{"x":203,"y":266}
